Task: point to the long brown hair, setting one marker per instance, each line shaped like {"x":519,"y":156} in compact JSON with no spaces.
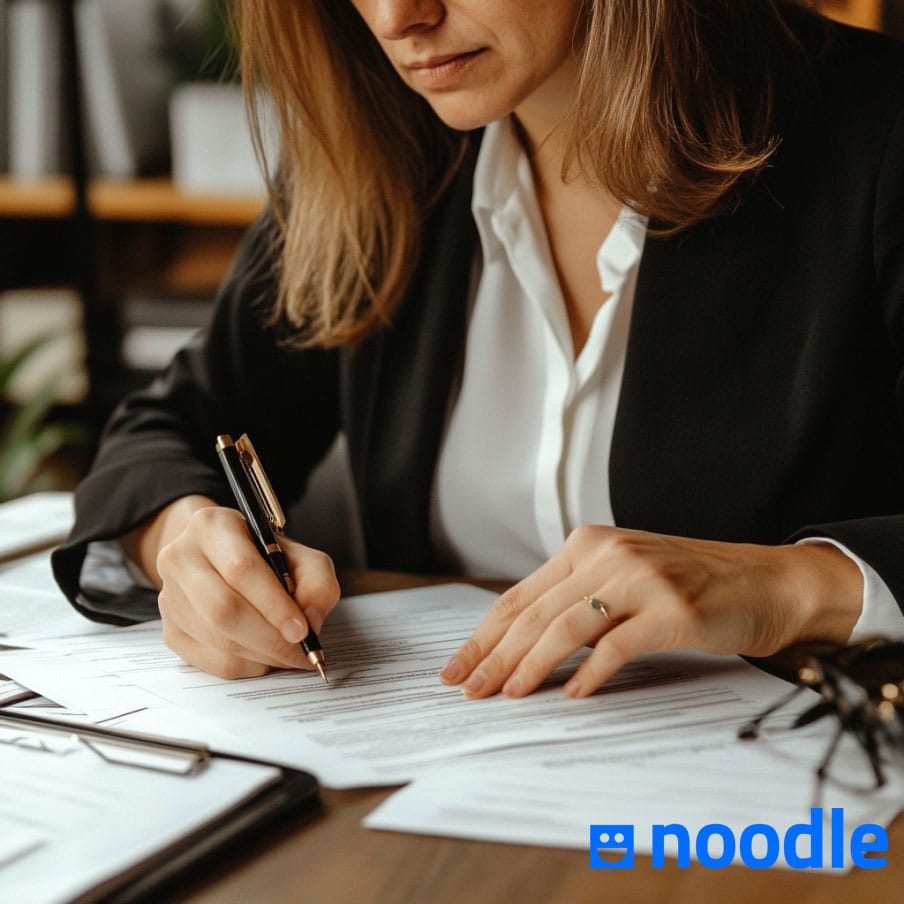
{"x":674,"y":111}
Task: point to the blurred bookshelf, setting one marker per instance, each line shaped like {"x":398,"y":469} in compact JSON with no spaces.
{"x":198,"y":232}
{"x":148,"y":237}
{"x":118,"y":243}
{"x":94,"y":220}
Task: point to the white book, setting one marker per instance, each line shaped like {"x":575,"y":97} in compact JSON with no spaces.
{"x":125,"y":79}
{"x":36,"y":135}
{"x":4,"y":64}
{"x":212,"y":147}
{"x":153,"y":347}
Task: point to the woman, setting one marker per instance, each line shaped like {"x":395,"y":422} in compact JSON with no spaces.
{"x":640,"y":338}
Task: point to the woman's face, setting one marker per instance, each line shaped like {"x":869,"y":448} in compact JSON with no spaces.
{"x":477,"y":60}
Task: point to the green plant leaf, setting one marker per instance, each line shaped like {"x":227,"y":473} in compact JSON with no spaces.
{"x":27,"y":440}
{"x":28,"y":416}
{"x":10,"y":365}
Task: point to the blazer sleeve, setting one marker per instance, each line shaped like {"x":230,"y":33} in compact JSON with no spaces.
{"x":237,"y":375}
{"x":880,"y":540}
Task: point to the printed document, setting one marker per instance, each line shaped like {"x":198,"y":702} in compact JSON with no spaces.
{"x":385,"y":716}
{"x":552,"y":797}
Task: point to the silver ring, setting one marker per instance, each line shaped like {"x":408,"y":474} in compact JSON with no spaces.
{"x":599,"y":605}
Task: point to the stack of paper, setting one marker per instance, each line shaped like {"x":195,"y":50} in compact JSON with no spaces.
{"x":657,"y":743}
{"x":35,"y":521}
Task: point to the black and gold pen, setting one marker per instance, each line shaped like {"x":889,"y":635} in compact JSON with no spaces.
{"x":264,"y":515}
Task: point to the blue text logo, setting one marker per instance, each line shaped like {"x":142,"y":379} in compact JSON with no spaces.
{"x":803,"y":846}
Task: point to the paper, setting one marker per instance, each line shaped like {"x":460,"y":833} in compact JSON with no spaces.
{"x":12,"y":691}
{"x":83,"y":693}
{"x":16,"y":840}
{"x":75,"y":685}
{"x":31,"y":574}
{"x":554,"y":803}
{"x":32,"y":606}
{"x":40,"y":519}
{"x":658,"y":743}
{"x":386,"y":717}
{"x":69,"y":820}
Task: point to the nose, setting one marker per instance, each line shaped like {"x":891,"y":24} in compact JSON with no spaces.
{"x":396,"y":19}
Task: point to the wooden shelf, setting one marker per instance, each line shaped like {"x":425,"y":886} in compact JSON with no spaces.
{"x":139,"y":200}
{"x":50,"y":197}
{"x":158,"y":200}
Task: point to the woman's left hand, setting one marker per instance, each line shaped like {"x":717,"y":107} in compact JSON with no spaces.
{"x":658,"y":593}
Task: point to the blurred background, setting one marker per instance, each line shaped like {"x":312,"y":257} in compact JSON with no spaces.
{"x":127,"y":178}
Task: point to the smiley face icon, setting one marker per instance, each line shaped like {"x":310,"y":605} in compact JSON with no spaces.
{"x":612,"y":847}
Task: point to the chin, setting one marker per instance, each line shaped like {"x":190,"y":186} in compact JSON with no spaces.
{"x":466,"y":109}
{"x":465,"y":117}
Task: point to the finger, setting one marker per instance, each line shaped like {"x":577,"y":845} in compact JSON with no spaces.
{"x":227,"y":545}
{"x":502,"y":613}
{"x":579,"y":625}
{"x":316,"y":587}
{"x":236,"y":624}
{"x":222,"y":537}
{"x":624,"y":642}
{"x":240,"y":565}
{"x":197,"y":599}
{"x":242,"y":633}
{"x":208,"y":659}
{"x":523,"y":634}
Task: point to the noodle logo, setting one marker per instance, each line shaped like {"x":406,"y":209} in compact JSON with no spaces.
{"x":805,"y":845}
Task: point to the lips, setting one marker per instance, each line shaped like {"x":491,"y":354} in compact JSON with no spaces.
{"x":436,"y":61}
{"x":443,"y":71}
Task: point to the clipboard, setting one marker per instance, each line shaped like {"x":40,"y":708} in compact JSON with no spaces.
{"x":233,"y":833}
{"x":198,"y":857}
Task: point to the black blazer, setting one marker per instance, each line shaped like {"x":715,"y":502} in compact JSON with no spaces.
{"x":763,"y":391}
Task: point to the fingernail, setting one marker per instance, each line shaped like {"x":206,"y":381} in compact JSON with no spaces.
{"x":293,"y":630}
{"x":514,"y":687}
{"x":573,"y":688}
{"x":475,"y":683}
{"x":452,"y":670}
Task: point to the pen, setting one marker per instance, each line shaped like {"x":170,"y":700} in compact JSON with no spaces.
{"x":264,"y":515}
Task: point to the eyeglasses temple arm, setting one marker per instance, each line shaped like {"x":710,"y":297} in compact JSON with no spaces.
{"x":750,"y":730}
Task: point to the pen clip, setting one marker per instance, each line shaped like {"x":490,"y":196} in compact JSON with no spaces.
{"x":261,"y":483}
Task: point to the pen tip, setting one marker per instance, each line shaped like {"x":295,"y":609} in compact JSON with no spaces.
{"x":322,"y":673}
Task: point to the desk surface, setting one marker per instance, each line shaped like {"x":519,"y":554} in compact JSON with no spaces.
{"x":332,"y":858}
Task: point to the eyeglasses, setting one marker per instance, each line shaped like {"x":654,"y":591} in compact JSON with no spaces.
{"x":860,"y":685}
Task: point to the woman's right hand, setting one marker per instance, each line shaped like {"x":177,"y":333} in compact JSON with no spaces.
{"x":223,"y":609}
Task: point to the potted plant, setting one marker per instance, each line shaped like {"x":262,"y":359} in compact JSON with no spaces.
{"x":29,"y":437}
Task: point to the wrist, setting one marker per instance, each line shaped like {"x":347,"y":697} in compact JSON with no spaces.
{"x":827,"y":588}
{"x":143,"y":544}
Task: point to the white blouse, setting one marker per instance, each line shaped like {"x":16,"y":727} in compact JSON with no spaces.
{"x":519,"y":466}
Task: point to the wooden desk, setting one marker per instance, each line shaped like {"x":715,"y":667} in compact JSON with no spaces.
{"x":333,"y":859}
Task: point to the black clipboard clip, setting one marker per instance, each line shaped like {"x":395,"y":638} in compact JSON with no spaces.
{"x":113,"y":745}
